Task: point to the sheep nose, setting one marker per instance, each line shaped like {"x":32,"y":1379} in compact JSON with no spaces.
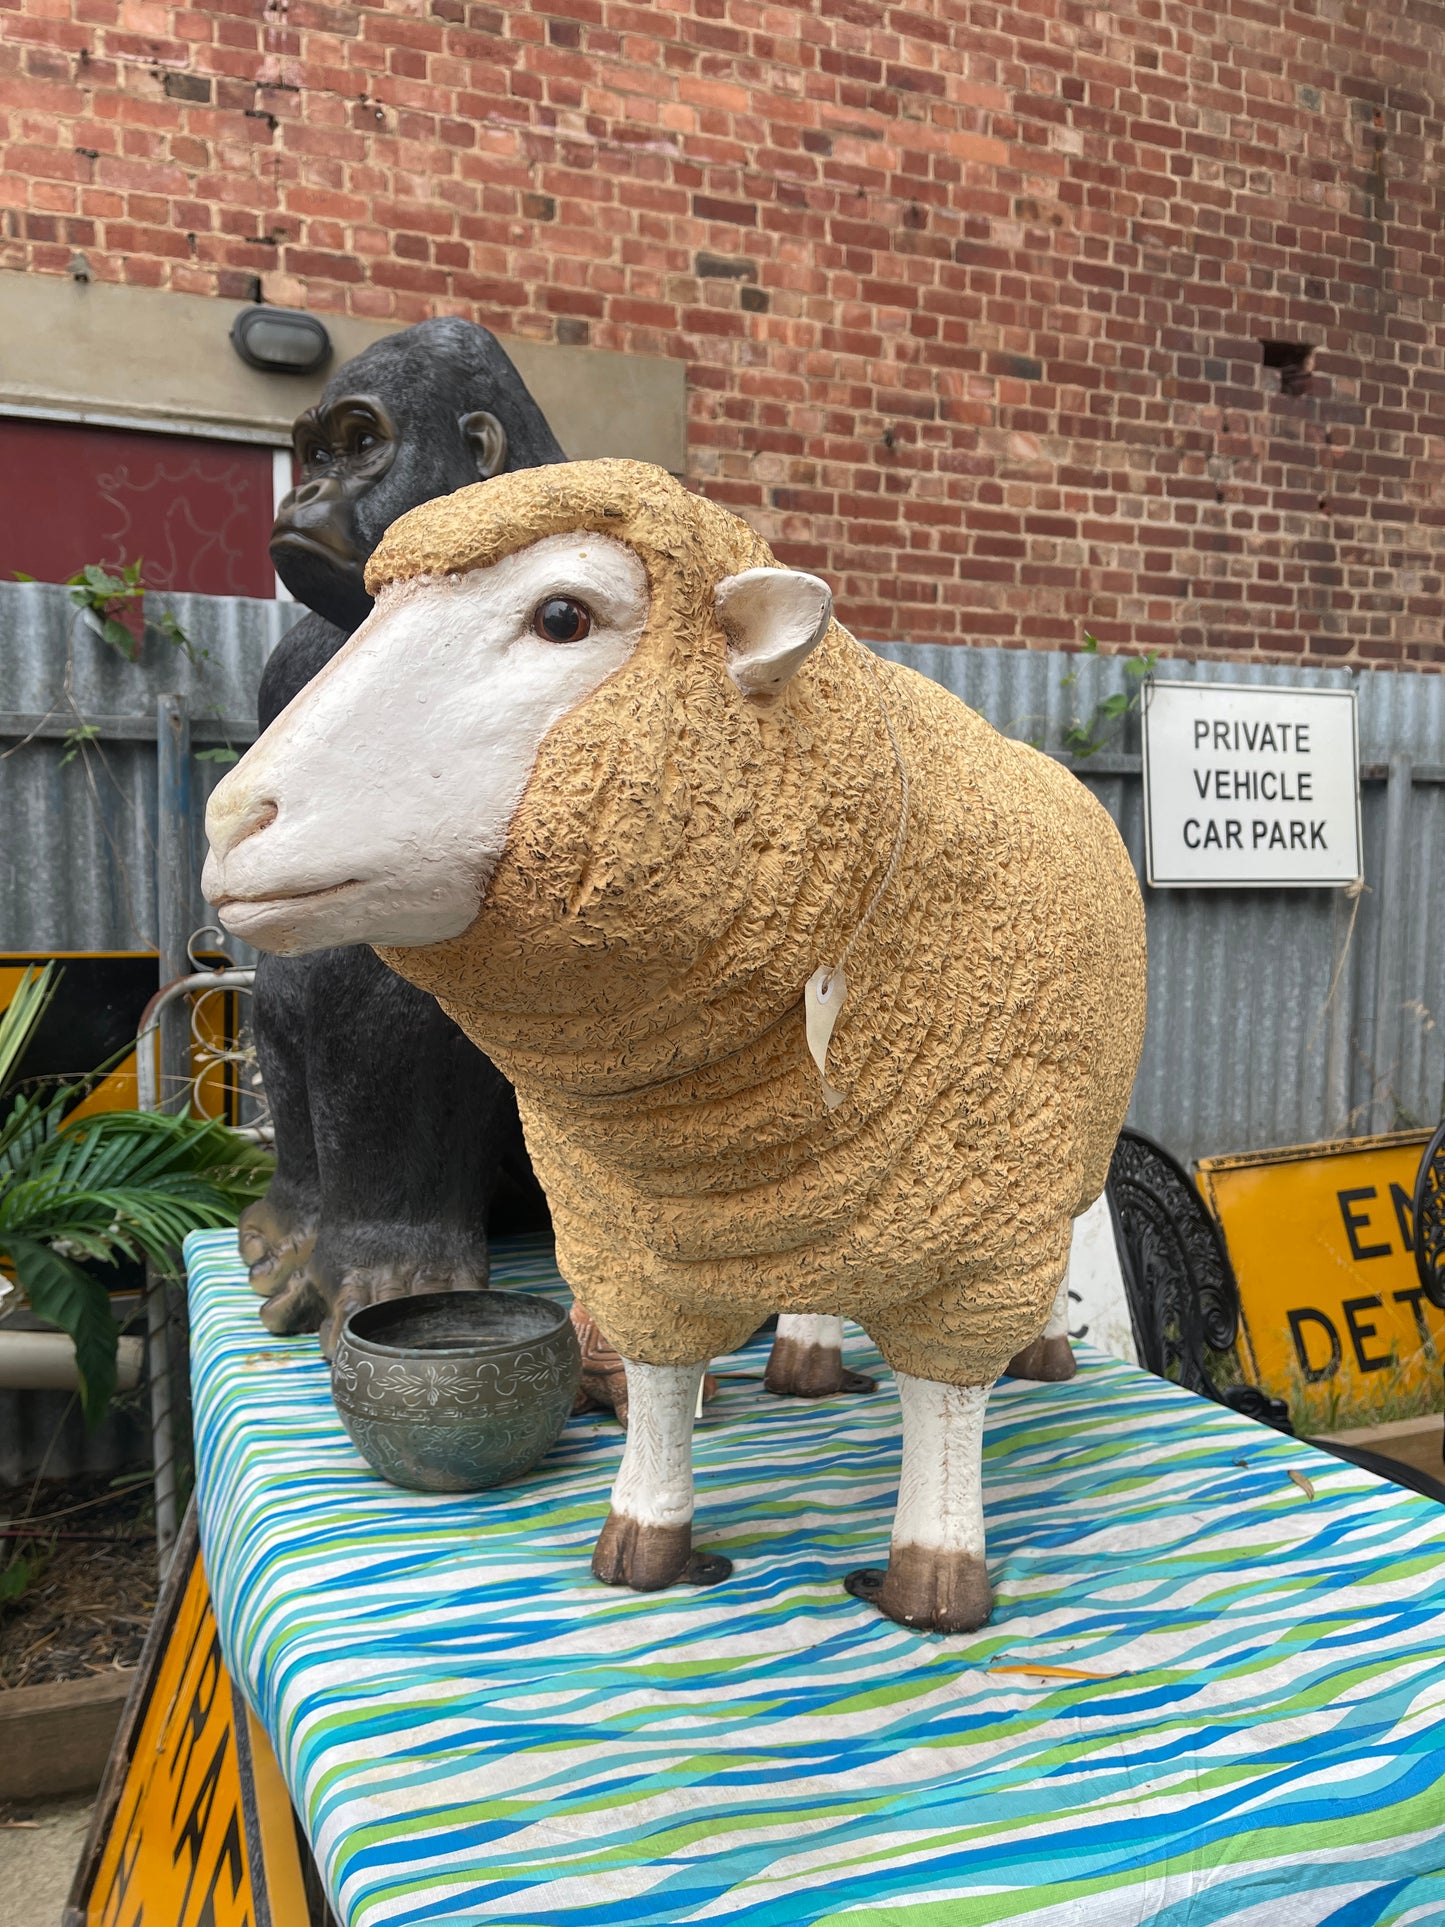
{"x":232,"y":817}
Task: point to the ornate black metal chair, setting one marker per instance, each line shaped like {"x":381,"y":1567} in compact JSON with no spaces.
{"x":1429,"y":1219}
{"x":1184,"y":1302}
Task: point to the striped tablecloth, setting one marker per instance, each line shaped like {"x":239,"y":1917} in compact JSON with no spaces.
{"x":475,"y":1731}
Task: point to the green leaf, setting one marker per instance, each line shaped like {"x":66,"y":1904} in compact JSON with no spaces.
{"x":119,"y":1184}
{"x":1090,"y":646}
{"x":175,"y":634}
{"x":227,"y":755}
{"x":1138,"y":666}
{"x":120,"y":638}
{"x":21,"y":576}
{"x":15,"y":1579}
{"x":98,"y":582}
{"x":22,"y":1015}
{"x":1119,"y":705}
{"x":76,"y":739}
{"x":65,"y":1296}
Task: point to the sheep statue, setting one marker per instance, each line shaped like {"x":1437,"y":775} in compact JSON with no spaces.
{"x":819,"y":995}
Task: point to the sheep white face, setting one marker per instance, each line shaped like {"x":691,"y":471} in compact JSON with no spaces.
{"x":376,"y":807}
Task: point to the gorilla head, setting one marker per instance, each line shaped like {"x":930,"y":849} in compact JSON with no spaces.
{"x":418,"y":415}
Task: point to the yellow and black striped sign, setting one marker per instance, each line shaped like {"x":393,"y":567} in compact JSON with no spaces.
{"x":193,"y":1826}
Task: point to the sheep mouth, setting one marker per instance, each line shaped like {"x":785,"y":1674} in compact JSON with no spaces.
{"x":276,"y":898}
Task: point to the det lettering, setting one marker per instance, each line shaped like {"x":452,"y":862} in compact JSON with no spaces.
{"x":1313,"y":1329}
{"x":1278,"y":785}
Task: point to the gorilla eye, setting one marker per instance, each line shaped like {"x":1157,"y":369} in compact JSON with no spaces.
{"x":318,"y":457}
{"x":559,"y":619}
{"x":365,"y":441}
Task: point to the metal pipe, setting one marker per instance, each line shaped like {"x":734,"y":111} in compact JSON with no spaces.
{"x":163,"y":1430}
{"x":45,"y":1362}
{"x":148,"y":1089}
{"x":175,"y":886}
{"x":174,"y":890}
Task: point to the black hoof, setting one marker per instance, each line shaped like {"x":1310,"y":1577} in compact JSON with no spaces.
{"x":866,"y":1583}
{"x":706,"y":1569}
{"x":929,"y":1590}
{"x":810,"y":1371}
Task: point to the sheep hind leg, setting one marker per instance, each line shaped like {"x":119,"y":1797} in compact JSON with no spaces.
{"x":1051,"y":1357}
{"x":807,"y":1359}
{"x":646,"y":1543}
{"x":936,"y":1578}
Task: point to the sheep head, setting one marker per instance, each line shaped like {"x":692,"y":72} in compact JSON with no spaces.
{"x":378,"y":807}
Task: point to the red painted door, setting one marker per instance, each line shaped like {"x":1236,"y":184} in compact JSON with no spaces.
{"x":197,"y":513}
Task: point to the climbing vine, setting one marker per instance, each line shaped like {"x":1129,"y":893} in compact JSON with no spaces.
{"x":1085,"y":739}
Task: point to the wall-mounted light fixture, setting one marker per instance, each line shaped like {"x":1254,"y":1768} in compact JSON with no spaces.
{"x":281,"y":341}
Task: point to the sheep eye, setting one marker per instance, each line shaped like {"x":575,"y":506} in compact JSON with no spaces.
{"x":559,"y":619}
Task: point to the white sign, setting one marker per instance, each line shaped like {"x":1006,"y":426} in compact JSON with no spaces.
{"x":1245,"y":785}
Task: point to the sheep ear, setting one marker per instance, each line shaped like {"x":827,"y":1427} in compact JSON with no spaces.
{"x":774,"y":619}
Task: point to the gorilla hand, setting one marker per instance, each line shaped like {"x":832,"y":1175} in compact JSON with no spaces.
{"x":275,"y":1236}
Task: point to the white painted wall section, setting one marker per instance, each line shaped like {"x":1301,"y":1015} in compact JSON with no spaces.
{"x":1098,"y":1306}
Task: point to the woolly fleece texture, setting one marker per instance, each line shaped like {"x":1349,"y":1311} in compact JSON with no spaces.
{"x":683,"y":859}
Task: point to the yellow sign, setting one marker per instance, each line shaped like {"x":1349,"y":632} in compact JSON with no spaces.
{"x":96,"y":1014}
{"x":194,"y":1827}
{"x":1333,"y":1315}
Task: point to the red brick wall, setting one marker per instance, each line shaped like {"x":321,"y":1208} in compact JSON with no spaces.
{"x":971,"y":295}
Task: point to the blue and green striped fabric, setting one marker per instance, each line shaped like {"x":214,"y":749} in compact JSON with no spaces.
{"x":475,"y":1731}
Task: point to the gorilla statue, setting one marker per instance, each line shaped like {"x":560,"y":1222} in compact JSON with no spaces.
{"x":398,"y":1146}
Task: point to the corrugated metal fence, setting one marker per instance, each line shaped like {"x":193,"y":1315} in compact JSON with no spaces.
{"x":78,"y":809}
{"x":1275,"y":1016}
{"x":78,"y":835}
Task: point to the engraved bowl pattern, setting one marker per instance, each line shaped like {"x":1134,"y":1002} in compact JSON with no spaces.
{"x":456,"y":1391}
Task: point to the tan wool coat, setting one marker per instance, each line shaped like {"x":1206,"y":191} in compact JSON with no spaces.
{"x":683,"y":859}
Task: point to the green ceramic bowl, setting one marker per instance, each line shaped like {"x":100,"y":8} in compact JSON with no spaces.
{"x":458,"y":1390}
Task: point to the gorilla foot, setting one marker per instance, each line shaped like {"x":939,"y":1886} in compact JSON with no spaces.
{"x":359,"y":1285}
{"x":274,"y":1241}
{"x":1049,"y":1360}
{"x":604,"y":1376}
{"x":925,"y":1587}
{"x":315,"y":1298}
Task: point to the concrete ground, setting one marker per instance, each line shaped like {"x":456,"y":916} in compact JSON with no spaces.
{"x":37,"y":1861}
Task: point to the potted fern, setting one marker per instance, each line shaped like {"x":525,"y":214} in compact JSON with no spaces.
{"x":113,"y":1185}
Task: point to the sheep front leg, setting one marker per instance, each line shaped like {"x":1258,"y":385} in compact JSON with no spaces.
{"x":807,"y":1358}
{"x":646,"y":1542}
{"x":936,"y":1578}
